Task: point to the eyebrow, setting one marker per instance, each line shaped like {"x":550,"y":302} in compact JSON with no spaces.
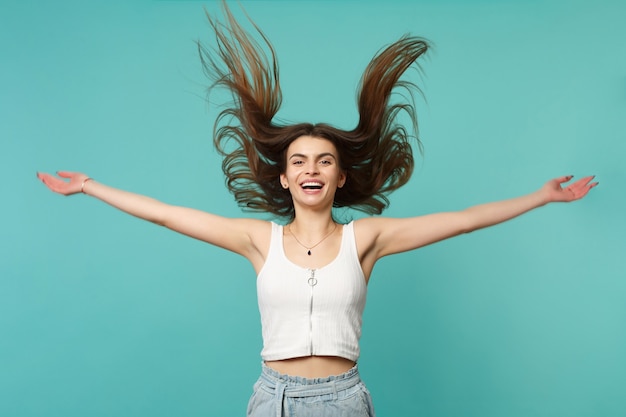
{"x":319,"y":156}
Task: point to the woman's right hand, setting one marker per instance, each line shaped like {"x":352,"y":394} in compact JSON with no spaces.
{"x":58,"y":185}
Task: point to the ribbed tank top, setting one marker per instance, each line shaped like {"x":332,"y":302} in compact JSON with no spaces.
{"x":311,"y":312}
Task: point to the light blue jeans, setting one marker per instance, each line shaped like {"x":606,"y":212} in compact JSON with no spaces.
{"x":277,"y":395}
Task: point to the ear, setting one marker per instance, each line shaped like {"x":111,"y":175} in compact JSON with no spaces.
{"x":283,"y":181}
{"x":342,"y":179}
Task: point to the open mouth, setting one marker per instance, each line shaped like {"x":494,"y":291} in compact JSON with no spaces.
{"x":312,"y":185}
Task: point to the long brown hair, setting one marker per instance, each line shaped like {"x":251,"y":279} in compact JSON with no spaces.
{"x":376,"y":155}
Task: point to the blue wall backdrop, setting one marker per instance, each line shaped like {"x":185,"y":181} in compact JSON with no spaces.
{"x":103,"y":315}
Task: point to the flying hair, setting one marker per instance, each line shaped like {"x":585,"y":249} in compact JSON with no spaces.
{"x":376,"y":155}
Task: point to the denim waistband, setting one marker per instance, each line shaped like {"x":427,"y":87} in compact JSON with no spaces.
{"x":295,"y":386}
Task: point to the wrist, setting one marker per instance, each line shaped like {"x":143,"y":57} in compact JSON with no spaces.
{"x":543,"y":197}
{"x":82,"y":186}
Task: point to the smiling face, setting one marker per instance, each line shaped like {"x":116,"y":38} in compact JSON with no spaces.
{"x":312,"y":171}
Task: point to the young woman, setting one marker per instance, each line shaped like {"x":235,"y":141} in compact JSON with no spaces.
{"x":312,"y":273}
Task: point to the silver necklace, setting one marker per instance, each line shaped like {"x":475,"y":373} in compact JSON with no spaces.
{"x":308,"y":248}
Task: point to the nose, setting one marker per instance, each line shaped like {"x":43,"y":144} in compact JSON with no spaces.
{"x":312,"y":168}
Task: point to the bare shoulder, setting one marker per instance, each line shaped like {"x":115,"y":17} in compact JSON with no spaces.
{"x":257,"y":229}
{"x":259,"y":233}
{"x":369,"y":228}
{"x":239,"y":235}
{"x":382,"y":236}
{"x":367,"y":232}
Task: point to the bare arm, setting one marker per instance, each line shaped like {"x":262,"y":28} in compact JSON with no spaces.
{"x":388,"y":236}
{"x":232,"y":234}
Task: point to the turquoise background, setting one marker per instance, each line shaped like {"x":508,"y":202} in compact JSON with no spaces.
{"x":102,"y":314}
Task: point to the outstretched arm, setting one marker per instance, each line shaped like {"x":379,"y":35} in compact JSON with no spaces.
{"x":398,"y":235}
{"x":231,"y":234}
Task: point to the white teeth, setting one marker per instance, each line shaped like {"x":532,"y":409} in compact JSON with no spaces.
{"x":312,"y":184}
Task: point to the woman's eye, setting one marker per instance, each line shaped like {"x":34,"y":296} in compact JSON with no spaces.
{"x":325,"y":162}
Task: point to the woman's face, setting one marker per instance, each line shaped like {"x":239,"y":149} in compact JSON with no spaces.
{"x":312,"y":171}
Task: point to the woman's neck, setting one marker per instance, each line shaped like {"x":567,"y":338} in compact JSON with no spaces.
{"x":311,"y":227}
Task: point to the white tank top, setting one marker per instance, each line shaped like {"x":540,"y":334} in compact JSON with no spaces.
{"x":311,"y":312}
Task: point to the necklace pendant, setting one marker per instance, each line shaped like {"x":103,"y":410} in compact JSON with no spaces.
{"x":308,"y":248}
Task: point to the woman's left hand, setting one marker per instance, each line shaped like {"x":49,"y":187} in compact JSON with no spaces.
{"x":556,"y":192}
